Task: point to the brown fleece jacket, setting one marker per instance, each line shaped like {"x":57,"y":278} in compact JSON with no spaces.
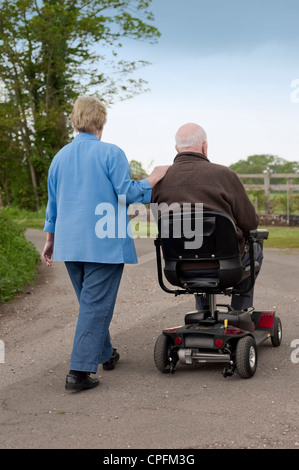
{"x":193,"y":178}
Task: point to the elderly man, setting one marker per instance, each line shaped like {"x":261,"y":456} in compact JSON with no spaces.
{"x":194,"y":179}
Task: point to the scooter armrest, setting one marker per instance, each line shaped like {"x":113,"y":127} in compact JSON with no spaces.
{"x":258,"y":234}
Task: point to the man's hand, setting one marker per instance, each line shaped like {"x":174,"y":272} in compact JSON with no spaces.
{"x":157,"y":174}
{"x":48,"y":249}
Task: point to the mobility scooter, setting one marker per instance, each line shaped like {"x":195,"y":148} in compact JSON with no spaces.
{"x":217,"y":333}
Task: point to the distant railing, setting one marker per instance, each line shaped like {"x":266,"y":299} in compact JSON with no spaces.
{"x":267,"y":187}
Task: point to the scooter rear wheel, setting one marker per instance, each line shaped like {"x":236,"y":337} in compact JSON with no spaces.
{"x":161,"y":353}
{"x":246,"y":357}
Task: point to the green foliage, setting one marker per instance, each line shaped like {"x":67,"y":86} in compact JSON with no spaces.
{"x":18,"y":258}
{"x":27,"y":218}
{"x":279,"y":202}
{"x":256,"y":164}
{"x":50,"y":55}
{"x":137,"y":170}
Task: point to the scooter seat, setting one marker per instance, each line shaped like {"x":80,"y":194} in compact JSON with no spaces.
{"x":241,"y":320}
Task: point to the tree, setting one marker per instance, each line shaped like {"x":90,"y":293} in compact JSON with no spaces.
{"x":137,"y":170}
{"x":52,"y":51}
{"x":257,"y":164}
{"x":260,"y":163}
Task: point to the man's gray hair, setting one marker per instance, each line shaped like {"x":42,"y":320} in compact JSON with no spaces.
{"x":195,"y":138}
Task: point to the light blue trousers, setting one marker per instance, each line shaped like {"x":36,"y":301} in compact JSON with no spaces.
{"x":96,"y":286}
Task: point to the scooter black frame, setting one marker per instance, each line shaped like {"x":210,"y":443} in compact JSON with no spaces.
{"x":217,"y":334}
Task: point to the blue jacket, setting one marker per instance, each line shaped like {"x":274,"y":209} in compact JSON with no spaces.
{"x":89,"y":189}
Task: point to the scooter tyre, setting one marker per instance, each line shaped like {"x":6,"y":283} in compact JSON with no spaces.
{"x":277,"y":332}
{"x":246,"y":357}
{"x":161,"y":353}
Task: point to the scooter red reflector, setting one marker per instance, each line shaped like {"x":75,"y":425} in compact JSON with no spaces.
{"x":178,"y":340}
{"x":266,"y":320}
{"x":218,"y":343}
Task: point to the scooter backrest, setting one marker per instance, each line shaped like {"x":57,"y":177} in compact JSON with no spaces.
{"x":200,"y":249}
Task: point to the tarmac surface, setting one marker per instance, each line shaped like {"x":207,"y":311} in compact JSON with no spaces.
{"x":135,"y":406}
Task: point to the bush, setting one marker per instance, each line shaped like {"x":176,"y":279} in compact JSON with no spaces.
{"x":28,"y":219}
{"x":18,"y":258}
{"x":277,"y":203}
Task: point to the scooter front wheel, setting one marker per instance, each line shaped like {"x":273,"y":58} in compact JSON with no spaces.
{"x":277,"y":332}
{"x":246,"y":357}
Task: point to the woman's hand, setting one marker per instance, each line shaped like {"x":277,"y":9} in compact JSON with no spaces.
{"x":48,"y":249}
{"x":157,"y":174}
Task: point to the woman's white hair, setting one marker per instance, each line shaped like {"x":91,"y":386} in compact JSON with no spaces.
{"x":190,"y":135}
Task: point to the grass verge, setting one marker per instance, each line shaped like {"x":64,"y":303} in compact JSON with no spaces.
{"x":282,"y":238}
{"x":18,"y":258}
{"x":26,"y":218}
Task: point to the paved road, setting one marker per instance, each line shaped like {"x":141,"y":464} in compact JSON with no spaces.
{"x":137,"y":407}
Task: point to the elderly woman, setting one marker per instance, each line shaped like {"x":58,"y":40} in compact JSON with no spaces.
{"x":83,"y":175}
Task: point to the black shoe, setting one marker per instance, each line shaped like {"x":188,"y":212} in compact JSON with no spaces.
{"x":80,"y":382}
{"x":109,"y":365}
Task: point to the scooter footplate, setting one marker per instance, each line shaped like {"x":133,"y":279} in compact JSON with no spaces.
{"x":260,"y":336}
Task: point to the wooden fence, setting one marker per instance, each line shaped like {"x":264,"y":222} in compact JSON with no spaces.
{"x":267,"y":187}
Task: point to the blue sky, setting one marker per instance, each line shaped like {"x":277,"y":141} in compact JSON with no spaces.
{"x":226,"y":65}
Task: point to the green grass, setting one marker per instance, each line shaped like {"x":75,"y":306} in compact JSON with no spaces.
{"x":282,"y":237}
{"x":26,"y":218}
{"x":18,"y":258}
